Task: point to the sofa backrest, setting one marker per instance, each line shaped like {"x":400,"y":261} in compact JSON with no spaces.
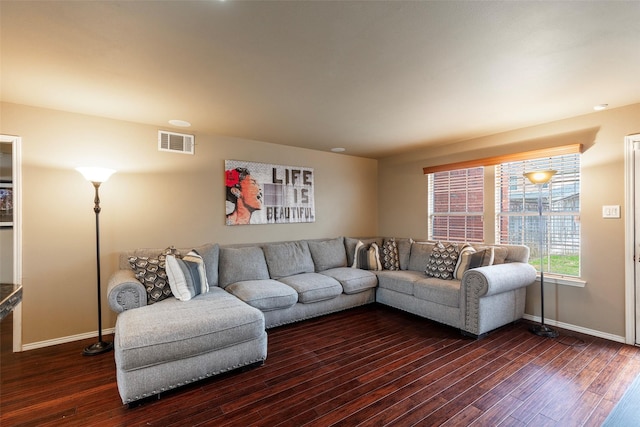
{"x":287,"y":259}
{"x":328,"y":253}
{"x":279,"y":259}
{"x":242,"y":263}
{"x":420,"y":251}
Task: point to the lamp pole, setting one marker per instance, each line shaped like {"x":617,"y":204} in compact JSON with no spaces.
{"x":540,"y":178}
{"x":97,"y":176}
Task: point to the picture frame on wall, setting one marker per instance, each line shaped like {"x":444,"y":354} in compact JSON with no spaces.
{"x":264,"y":193}
{"x":6,"y":204}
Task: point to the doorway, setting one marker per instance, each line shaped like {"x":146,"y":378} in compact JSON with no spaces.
{"x":11,"y":223}
{"x":632,"y":239}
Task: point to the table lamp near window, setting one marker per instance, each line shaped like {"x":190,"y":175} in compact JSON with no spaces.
{"x":540,"y":178}
{"x":97,"y":176}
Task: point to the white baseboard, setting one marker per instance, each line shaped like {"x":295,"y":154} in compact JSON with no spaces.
{"x":64,"y":340}
{"x":580,"y":329}
{"x":551,"y":322}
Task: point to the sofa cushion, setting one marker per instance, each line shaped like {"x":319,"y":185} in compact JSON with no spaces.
{"x":353,"y":280}
{"x":399,"y":281}
{"x":328,"y":254}
{"x":367,"y":256}
{"x":439,"y":291}
{"x":499,"y":255}
{"x":389,"y":256}
{"x":240,"y":264}
{"x":404,"y":252}
{"x":313,"y":287}
{"x":287,"y":259}
{"x":152,"y":335}
{"x":187,"y":276}
{"x":210,"y":254}
{"x":151,"y":272}
{"x":442,"y":261}
{"x":419,"y":256}
{"x":265,"y":295}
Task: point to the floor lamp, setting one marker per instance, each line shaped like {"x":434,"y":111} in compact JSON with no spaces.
{"x":540,"y":178}
{"x":97,"y":176}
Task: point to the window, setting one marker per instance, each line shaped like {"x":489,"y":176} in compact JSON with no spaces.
{"x":456,"y":205}
{"x":517,"y":216}
{"x":456,"y":201}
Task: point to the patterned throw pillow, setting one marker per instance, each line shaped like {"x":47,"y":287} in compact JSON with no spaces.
{"x":390,"y":256}
{"x":442,"y":261}
{"x":151,"y":272}
{"x":187,"y":276}
{"x":367,"y":257}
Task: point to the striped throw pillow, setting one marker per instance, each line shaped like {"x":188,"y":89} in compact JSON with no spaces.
{"x":187,"y":276}
{"x":367,"y":257}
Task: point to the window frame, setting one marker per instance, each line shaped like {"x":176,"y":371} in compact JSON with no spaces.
{"x":510,"y":157}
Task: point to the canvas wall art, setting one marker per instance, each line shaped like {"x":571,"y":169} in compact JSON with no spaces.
{"x":262,"y":193}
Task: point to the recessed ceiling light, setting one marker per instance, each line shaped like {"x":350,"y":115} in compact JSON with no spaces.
{"x":338,"y":149}
{"x":600,"y":107}
{"x":179,"y":123}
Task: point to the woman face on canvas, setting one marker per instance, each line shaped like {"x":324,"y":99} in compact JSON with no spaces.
{"x":251,"y":193}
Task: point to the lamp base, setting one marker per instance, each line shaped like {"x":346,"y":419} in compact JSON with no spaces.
{"x":98,"y":348}
{"x":544,"y":331}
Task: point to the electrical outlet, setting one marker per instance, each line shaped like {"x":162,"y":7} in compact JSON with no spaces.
{"x":611,"y":211}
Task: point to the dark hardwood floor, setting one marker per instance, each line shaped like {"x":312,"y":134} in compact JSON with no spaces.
{"x":368,"y":366}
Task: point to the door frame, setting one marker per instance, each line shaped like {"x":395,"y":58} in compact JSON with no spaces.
{"x":632,"y":143}
{"x":16,"y":165}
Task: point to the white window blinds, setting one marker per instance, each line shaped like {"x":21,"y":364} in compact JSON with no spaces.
{"x":456,"y":200}
{"x":517,"y":217}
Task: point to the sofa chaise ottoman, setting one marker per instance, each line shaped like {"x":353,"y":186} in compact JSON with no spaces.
{"x":157,"y":350}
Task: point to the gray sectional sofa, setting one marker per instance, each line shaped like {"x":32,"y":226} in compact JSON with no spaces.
{"x":162,"y":342}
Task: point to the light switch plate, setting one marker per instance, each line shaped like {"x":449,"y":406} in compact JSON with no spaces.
{"x":611,"y":211}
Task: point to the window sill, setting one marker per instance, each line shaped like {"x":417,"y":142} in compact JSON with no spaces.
{"x":563,"y":280}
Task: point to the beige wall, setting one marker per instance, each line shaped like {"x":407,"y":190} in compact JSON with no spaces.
{"x":156,"y":199}
{"x":159,"y":199}
{"x":598,"y":306}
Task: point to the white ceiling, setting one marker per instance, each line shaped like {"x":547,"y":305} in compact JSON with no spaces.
{"x":374,"y":77}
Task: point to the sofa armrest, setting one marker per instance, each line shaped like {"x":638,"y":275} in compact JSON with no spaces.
{"x":490,"y":296}
{"x":125,"y":291}
{"x":495,"y":279}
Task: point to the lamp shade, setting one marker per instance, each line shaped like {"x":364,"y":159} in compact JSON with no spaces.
{"x":96,"y":174}
{"x":540,"y":177}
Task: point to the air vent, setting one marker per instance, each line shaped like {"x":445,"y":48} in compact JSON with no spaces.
{"x":175,"y":142}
